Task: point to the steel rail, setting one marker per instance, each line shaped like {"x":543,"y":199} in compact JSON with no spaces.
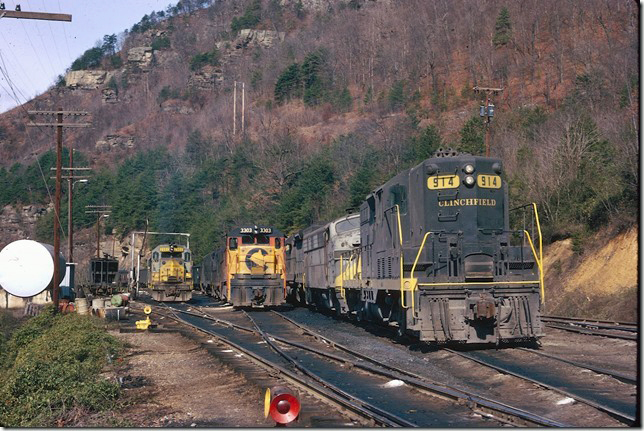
{"x":589,"y":331}
{"x":626,"y":378}
{"x":583,"y":319}
{"x":622,"y":417}
{"x":592,"y":323}
{"x":475,"y":401}
{"x":500,"y":411}
{"x":396,"y":420}
{"x":315,"y":388}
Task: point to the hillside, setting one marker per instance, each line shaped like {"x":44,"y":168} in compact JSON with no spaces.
{"x":339,"y":96}
{"x":598,"y":282}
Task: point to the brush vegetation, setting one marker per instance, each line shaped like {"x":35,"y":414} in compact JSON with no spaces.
{"x":51,"y":366}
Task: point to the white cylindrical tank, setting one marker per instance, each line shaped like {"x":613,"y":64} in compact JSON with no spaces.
{"x":27,"y":267}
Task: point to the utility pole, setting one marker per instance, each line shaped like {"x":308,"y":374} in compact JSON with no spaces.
{"x":243,"y":107}
{"x":235,"y":109}
{"x":59,"y":154}
{"x":70,"y":188}
{"x":101,"y":211}
{"x":487,"y":112}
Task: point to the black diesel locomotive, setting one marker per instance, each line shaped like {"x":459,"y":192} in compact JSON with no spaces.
{"x":249,"y":271}
{"x":437,"y":257}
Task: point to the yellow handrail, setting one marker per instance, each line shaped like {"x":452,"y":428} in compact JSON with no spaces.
{"x":341,"y":276}
{"x":281,"y":260}
{"x":422,"y":245}
{"x":228,"y":276}
{"x":541,"y":272}
{"x":534,"y":253}
{"x":402,"y":276}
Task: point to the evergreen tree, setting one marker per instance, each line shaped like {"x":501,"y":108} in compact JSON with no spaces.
{"x":472,"y":137}
{"x":313,"y":77}
{"x":396,"y":95}
{"x":503,"y":28}
{"x":289,"y":84}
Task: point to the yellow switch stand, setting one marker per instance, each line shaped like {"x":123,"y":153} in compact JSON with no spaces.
{"x":144,"y":324}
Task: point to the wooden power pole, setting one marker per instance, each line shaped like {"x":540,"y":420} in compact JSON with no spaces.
{"x":101,"y":211}
{"x":487,"y":112}
{"x":59,"y":114}
{"x":19,"y":14}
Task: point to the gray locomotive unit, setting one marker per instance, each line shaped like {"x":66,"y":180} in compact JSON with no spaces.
{"x":314,"y":259}
{"x":436,"y":257}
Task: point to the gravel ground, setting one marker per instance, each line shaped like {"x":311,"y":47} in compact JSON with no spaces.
{"x":185,"y":386}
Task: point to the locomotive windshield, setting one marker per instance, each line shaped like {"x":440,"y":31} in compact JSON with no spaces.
{"x":171,"y":254}
{"x":262,"y":239}
{"x":346,"y":225}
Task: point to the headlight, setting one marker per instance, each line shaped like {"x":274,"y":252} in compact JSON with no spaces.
{"x":469,"y":180}
{"x":468,"y":169}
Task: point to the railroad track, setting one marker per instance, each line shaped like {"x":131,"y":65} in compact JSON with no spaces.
{"x":623,"y":409}
{"x":604,"y":328}
{"x":622,"y":377}
{"x":411,"y":409}
{"x":548,"y":376}
{"x":272,"y":367}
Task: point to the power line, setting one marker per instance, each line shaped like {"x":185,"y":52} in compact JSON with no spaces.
{"x":69,"y":52}
{"x":34,"y":49}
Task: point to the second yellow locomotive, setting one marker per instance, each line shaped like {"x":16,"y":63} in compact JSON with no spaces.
{"x":249,"y":271}
{"x":168,"y":273}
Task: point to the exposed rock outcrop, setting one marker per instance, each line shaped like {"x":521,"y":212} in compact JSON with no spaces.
{"x":110,"y":95}
{"x":139,"y":59}
{"x":114,"y":142}
{"x":19,"y":223}
{"x":206,"y":78}
{"x":264,"y":38}
{"x":86,"y":79}
{"x":177,"y":107}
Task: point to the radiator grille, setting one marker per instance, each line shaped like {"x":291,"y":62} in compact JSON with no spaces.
{"x":521,"y":265}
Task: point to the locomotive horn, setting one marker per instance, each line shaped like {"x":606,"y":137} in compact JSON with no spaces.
{"x":281,"y":404}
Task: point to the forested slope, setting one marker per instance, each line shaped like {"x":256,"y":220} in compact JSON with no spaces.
{"x":340,"y":96}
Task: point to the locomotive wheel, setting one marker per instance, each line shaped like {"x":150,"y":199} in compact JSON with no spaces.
{"x":300,"y":296}
{"x":360,"y":314}
{"x":402,"y":329}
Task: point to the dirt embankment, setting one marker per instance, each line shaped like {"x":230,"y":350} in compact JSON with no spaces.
{"x":601,"y":282}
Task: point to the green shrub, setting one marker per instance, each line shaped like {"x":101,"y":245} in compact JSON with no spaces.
{"x":160,"y":43}
{"x":90,"y":59}
{"x":204,"y":58}
{"x":251,"y":17}
{"x":167,"y":92}
{"x":54,"y":366}
{"x":116,"y":61}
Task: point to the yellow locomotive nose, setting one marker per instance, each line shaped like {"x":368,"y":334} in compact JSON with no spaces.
{"x":172,"y":271}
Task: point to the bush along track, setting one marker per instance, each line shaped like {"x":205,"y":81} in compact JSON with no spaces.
{"x":51,"y":371}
